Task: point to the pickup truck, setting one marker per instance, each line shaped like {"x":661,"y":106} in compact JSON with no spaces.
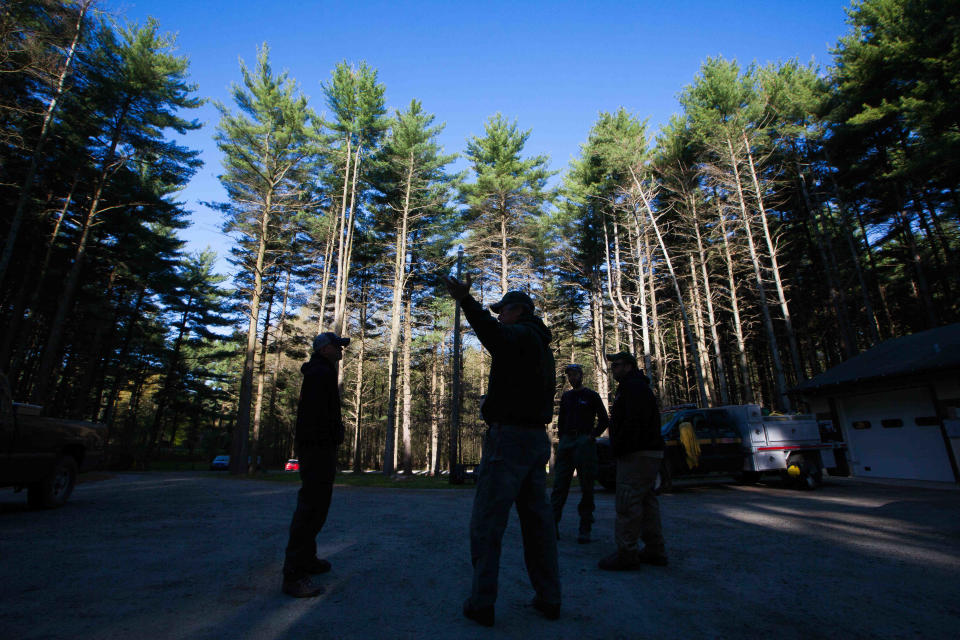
{"x":44,"y":454}
{"x":739,"y":440}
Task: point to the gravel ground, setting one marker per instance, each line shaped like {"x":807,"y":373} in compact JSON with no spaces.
{"x":196,"y":555}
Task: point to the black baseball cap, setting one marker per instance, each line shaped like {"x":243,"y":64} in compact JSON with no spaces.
{"x":621,"y":357}
{"x":329,"y":337}
{"x":512,"y":297}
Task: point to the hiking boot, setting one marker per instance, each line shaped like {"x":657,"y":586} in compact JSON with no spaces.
{"x":656,"y":558}
{"x":620,"y":561}
{"x":550,"y":610}
{"x":302,"y":588}
{"x":480,"y":615}
{"x":318,"y":566}
{"x":584,"y":536}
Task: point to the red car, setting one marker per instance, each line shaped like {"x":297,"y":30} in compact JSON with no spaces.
{"x":292,"y":465}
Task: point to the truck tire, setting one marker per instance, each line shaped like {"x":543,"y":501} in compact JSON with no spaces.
{"x":55,"y":489}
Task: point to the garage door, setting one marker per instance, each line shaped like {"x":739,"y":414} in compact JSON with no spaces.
{"x":894,"y":435}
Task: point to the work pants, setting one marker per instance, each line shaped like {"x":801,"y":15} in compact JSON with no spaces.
{"x":575,"y":453}
{"x":318,"y":467}
{"x":512,"y":471}
{"x":638,"y":510}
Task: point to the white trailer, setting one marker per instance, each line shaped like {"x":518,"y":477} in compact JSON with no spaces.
{"x":788,"y":444}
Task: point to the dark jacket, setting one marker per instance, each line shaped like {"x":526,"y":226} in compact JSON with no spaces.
{"x":578,"y":407}
{"x":319,"y":422}
{"x":634,"y":417}
{"x":522,"y":376}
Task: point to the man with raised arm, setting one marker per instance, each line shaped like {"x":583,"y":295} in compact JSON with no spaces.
{"x":516,"y":449}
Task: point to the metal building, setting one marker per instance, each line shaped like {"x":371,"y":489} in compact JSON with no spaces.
{"x":896,"y":406}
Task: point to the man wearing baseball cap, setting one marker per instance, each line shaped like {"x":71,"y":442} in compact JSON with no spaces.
{"x":580,"y":408}
{"x":319,"y":431}
{"x":638,"y":448}
{"x":516,"y":449}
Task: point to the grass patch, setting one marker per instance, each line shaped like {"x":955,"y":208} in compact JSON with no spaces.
{"x":177,"y":465}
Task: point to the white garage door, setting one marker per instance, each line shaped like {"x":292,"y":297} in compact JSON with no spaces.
{"x":886,"y":441}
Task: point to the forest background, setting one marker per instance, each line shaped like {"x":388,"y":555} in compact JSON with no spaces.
{"x":787,"y":217}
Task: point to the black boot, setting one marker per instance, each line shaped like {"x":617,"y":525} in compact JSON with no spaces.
{"x":583,"y":537}
{"x":480,"y":615}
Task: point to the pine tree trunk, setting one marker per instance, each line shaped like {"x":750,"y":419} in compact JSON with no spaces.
{"x":340,"y":318}
{"x":163,"y":397}
{"x":275,"y":374}
{"x":676,"y":285}
{"x":711,"y":317}
{"x":700,"y":332}
{"x":21,"y":323}
{"x":261,"y":383}
{"x":775,"y":269}
{"x":684,"y":395}
{"x":27,"y":187}
{"x":51,"y":351}
{"x":442,"y":401}
{"x":239,"y":449}
{"x":434,"y":458}
{"x":658,"y":350}
{"x":783,"y":401}
{"x":407,"y":392}
{"x":837,"y":299}
{"x":358,"y":388}
{"x":504,"y":268}
{"x":873,"y":323}
{"x":341,"y":231}
{"x":611,"y":266}
{"x":923,"y":288}
{"x":746,"y":396}
{"x":642,"y":259}
{"x":327,"y":266}
{"x":118,"y":381}
{"x":396,"y":309}
{"x":598,"y":338}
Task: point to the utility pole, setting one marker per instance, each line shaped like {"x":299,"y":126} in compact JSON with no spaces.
{"x":455,"y":394}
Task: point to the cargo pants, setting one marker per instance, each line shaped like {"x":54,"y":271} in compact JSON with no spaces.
{"x":638,"y":510}
{"x":512,"y":471}
{"x":580,"y":453}
{"x":318,"y":468}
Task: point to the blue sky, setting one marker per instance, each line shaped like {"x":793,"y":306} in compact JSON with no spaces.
{"x":552,"y":66}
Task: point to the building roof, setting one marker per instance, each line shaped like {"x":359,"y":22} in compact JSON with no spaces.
{"x":924,"y":352}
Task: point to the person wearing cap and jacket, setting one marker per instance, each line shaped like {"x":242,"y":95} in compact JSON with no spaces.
{"x":516,"y":449}
{"x":637,"y":446}
{"x":319,"y":431}
{"x":580,"y":408}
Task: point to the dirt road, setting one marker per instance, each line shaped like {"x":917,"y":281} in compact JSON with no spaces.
{"x":198,"y":556}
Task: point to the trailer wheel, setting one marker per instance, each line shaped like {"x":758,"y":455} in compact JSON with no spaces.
{"x":808,"y":476}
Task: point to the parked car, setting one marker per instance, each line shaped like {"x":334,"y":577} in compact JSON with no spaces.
{"x":44,"y":454}
{"x":292,"y":465}
{"x":222,"y":462}
{"x":739,"y":440}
